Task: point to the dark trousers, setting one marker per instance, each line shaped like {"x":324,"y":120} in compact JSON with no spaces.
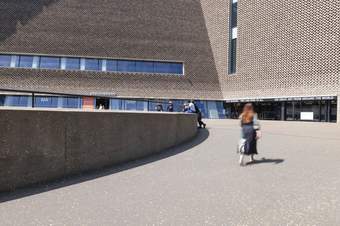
{"x":199,"y":120}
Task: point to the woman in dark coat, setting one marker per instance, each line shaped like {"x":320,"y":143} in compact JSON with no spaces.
{"x":250,"y":132}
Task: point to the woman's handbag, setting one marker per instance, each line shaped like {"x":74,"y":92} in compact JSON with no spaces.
{"x":240,"y":146}
{"x":257,"y":127}
{"x":258,"y":134}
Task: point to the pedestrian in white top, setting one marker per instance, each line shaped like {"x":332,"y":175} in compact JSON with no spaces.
{"x":192,"y":107}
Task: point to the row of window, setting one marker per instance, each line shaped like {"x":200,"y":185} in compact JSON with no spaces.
{"x":209,"y":109}
{"x":90,"y":64}
{"x":41,"y":101}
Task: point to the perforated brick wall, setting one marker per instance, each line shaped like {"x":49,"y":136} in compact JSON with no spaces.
{"x":285,"y":48}
{"x":148,"y":29}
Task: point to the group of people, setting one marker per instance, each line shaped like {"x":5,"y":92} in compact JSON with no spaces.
{"x":188,"y":107}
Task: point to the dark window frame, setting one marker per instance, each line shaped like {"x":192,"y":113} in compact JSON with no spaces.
{"x":232,"y":64}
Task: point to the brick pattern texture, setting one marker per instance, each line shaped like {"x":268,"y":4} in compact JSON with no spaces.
{"x":285,"y":48}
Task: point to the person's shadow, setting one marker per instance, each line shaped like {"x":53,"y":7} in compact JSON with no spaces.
{"x":264,"y":160}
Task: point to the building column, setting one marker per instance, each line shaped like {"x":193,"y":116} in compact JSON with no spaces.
{"x":283,"y":109}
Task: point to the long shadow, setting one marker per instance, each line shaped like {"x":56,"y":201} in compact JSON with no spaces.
{"x":264,"y":160}
{"x":13,"y":12}
{"x":202,"y":135}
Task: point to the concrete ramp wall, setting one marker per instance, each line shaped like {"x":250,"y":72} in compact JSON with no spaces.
{"x":43,"y":145}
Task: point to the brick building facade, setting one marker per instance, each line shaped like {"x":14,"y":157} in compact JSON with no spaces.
{"x":287,"y":51}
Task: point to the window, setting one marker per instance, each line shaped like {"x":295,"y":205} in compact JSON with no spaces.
{"x":144,"y":66}
{"x":216,"y":109}
{"x":46,"y":102}
{"x":176,"y":68}
{"x":116,"y":104}
{"x":2,"y":100}
{"x":93,"y":65}
{"x":5,"y":60}
{"x":130,"y":105}
{"x":90,"y":64}
{"x":71,"y":102}
{"x":49,"y":62}
{"x":233,"y":20}
{"x":161,"y":67}
{"x":18,"y":101}
{"x":72,"y":64}
{"x":111,"y":65}
{"x":232,"y":63}
{"x":25,"y":61}
{"x":141,"y":105}
{"x":126,"y":66}
{"x":233,"y":37}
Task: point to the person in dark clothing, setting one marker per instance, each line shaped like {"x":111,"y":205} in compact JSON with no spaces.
{"x":186,"y":108}
{"x":159,"y":107}
{"x":199,"y":116}
{"x":250,"y":132}
{"x":170,"y":107}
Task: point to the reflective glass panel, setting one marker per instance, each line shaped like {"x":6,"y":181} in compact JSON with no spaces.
{"x":93,"y":65}
{"x":116,"y":104}
{"x":162,"y":67}
{"x":46,"y":102}
{"x":216,"y":109}
{"x":26,"y":61}
{"x":17,"y":101}
{"x":178,"y":105}
{"x":126,"y":66}
{"x":111,"y":65}
{"x":141,"y":105}
{"x":71,"y":102}
{"x":144,"y":66}
{"x":202,"y":105}
{"x":234,"y":15}
{"x":72,"y":64}
{"x":50,"y":62}
{"x":176,"y":68}
{"x":2,"y":100}
{"x":5,"y":60}
{"x":130,"y":105}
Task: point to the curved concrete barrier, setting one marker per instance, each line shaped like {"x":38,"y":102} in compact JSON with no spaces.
{"x":43,"y":145}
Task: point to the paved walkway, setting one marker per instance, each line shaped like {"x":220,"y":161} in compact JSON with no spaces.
{"x":200,"y":183}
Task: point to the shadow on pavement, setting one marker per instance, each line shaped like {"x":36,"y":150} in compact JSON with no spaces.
{"x":264,"y":160}
{"x":202,"y":135}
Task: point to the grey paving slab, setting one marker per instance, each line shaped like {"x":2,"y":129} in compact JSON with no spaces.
{"x":200,"y":183}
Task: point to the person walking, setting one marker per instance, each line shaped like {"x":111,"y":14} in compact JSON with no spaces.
{"x":159,"y":107}
{"x":170,"y":107}
{"x":199,"y":117}
{"x":186,"y":108}
{"x":192,"y":108}
{"x":250,"y":133}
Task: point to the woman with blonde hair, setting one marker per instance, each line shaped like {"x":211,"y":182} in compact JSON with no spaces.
{"x":250,"y":133}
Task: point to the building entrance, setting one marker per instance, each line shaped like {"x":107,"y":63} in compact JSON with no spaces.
{"x":317,"y":109}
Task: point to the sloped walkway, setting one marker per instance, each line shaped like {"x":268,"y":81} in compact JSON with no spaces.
{"x":200,"y":183}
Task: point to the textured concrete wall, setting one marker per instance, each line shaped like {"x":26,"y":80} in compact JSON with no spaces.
{"x":38,"y":145}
